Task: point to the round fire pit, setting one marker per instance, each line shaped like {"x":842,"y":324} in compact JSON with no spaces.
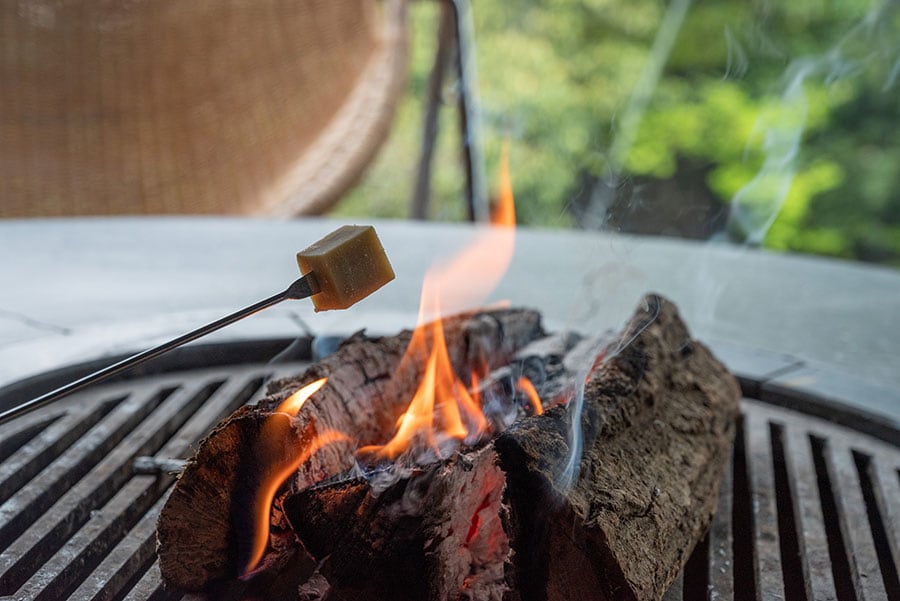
{"x":810,"y":508}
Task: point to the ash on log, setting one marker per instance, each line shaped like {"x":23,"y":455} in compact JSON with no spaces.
{"x":203,"y":528}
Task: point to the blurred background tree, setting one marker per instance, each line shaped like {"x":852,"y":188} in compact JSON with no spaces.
{"x":770,"y":123}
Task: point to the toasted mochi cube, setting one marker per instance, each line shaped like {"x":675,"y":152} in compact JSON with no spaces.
{"x":349,"y":265}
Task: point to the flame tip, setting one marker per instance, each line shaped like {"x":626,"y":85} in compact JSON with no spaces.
{"x":525,"y":385}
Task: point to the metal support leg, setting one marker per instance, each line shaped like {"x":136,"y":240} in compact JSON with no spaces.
{"x":455,"y":39}
{"x":446,"y":48}
{"x":469,"y":117}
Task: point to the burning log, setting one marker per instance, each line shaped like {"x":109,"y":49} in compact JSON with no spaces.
{"x":612,"y":513}
{"x":601,"y":496}
{"x":656,"y":423}
{"x":433,"y":533}
{"x":205,"y":525}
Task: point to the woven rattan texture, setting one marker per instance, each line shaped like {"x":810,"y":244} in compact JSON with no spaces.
{"x":211,"y":106}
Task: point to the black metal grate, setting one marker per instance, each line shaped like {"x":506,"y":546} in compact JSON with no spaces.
{"x":810,"y":510}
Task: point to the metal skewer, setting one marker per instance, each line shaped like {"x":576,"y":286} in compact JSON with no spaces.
{"x":342,"y":268}
{"x":304,"y":287}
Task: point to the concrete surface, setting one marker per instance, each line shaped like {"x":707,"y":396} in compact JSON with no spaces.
{"x":78,"y":289}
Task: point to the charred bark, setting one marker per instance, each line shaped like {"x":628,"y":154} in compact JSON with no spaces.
{"x":657,"y":424}
{"x":435,"y":533}
{"x":203,"y":527}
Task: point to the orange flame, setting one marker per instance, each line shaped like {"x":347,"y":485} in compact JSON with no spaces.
{"x":468,"y":279}
{"x":442,"y":405}
{"x":276,"y":433}
{"x":525,"y":385}
{"x":294,"y":403}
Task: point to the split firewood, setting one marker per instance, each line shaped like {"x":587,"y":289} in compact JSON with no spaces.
{"x":433,"y":533}
{"x":656,"y":423}
{"x":603,"y":496}
{"x":205,"y":525}
{"x":614,"y":516}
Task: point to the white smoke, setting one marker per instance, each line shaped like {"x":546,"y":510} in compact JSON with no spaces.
{"x":870,"y":43}
{"x":630,"y":121}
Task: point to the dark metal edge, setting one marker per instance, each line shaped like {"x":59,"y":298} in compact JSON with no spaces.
{"x":188,"y":358}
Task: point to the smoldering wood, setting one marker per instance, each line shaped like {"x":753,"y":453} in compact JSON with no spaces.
{"x":657,"y":424}
{"x":552,"y":364}
{"x":434,"y":533}
{"x":202,"y":528}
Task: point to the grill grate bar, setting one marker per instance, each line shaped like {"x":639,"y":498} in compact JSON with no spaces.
{"x":767,"y":551}
{"x":125,"y":564}
{"x":886,"y":481}
{"x":864,"y":568}
{"x":721,"y":556}
{"x":73,"y":508}
{"x":149,"y":587}
{"x":33,"y":501}
{"x":812,"y":539}
{"x":837,"y":548}
{"x":792,"y":569}
{"x":14,"y":437}
{"x":886,"y":564}
{"x":43,"y":449}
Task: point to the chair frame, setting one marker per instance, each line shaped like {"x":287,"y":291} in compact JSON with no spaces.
{"x":456,"y":48}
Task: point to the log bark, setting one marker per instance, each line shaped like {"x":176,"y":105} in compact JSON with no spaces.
{"x":657,"y":425}
{"x":202,"y":529}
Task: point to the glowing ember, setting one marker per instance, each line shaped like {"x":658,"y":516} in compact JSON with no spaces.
{"x":276,"y":444}
{"x":442,"y":407}
{"x":525,"y":385}
{"x":475,"y":525}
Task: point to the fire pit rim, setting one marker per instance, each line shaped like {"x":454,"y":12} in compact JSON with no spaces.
{"x":752,"y":367}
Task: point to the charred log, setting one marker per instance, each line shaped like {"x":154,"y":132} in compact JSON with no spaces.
{"x":538,"y":514}
{"x":435,"y":533}
{"x":656,"y":420}
{"x":656,"y":425}
{"x":202,"y":528}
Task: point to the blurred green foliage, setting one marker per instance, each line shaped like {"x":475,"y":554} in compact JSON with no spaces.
{"x":785,"y":112}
